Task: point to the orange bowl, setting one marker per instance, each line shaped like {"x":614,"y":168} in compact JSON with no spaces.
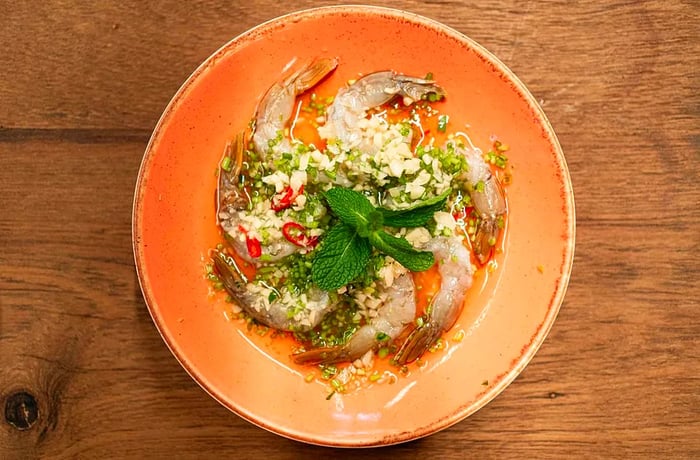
{"x":506,"y":317}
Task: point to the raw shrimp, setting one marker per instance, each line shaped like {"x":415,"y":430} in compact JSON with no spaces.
{"x":351,"y":104}
{"x":488,"y":199}
{"x":456,"y":273}
{"x":273,"y":113}
{"x":398,"y":311}
{"x":277,"y":105}
{"x":232,"y":200}
{"x":279,"y":313}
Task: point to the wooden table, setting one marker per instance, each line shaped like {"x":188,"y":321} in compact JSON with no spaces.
{"x":83,"y":85}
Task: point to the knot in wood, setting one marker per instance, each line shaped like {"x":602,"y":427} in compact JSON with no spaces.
{"x":21,"y":410}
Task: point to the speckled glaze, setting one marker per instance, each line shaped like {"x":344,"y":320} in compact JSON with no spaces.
{"x":505,"y":321}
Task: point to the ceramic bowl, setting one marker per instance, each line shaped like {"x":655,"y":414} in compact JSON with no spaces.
{"x":505,"y":319}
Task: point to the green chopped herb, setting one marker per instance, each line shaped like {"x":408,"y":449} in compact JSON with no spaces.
{"x":442,"y":123}
{"x":226,"y":164}
{"x":328,"y":371}
{"x":382,"y":337}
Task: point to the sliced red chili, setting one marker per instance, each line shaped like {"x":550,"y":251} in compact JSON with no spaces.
{"x":285,"y":198}
{"x":254,"y":247}
{"x":253,"y":244}
{"x":296,"y":234}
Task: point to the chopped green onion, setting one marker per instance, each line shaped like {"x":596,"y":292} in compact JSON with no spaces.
{"x":226,"y":164}
{"x":442,"y":123}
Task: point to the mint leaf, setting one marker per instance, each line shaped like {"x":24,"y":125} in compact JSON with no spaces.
{"x":418,"y":215}
{"x":352,"y":207}
{"x":342,"y":256}
{"x":402,"y":251}
{"x":345,"y":250}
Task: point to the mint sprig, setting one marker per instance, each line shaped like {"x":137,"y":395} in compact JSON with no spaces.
{"x":342,"y":256}
{"x":345,"y":250}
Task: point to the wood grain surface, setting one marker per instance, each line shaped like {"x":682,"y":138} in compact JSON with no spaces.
{"x":82,"y":86}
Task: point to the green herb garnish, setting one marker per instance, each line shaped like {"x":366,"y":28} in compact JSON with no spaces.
{"x":345,"y":250}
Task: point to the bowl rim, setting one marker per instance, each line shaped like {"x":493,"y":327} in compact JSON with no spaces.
{"x":555,"y":303}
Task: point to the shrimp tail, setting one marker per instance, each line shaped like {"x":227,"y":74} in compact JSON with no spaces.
{"x":234,"y":283}
{"x":231,"y":276}
{"x":325,"y":355}
{"x":418,"y":88}
{"x":419,"y":340}
{"x":490,"y":203}
{"x":228,"y":191}
{"x":484,"y":239}
{"x":310,"y":75}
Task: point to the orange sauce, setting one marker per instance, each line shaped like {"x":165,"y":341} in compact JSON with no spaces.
{"x":306,"y":125}
{"x":427,"y":285}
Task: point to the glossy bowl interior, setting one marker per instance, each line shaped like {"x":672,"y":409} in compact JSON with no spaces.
{"x":505,"y":319}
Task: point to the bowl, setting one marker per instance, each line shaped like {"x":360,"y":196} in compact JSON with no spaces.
{"x":506,"y":317}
